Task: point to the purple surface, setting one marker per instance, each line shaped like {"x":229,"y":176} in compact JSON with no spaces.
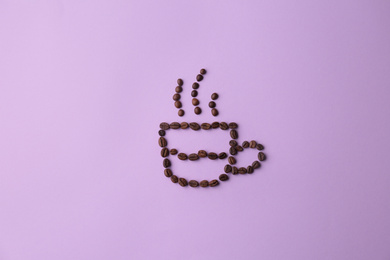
{"x":85,"y":84}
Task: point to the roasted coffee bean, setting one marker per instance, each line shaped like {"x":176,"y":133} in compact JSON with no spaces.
{"x":193,"y":183}
{"x":161,"y":133}
{"x":214,"y":96}
{"x":199,"y":77}
{"x":202,"y":153}
{"x":180,"y":112}
{"x":176,"y":97}
{"x":195,"y":101}
{"x":173,"y":151}
{"x":193,"y":157}
{"x":252,"y":144}
{"x":164,"y":152}
{"x":233,"y":143}
{"x":223,"y":177}
{"x":175,"y":125}
{"x":239,"y":148}
{"x":164,"y":126}
{"x":166,"y":163}
{"x":205,"y":126}
{"x":260,"y":147}
{"x":183,"y":182}
{"x":182,"y":156}
{"x":194,"y":126}
{"x":232,"y":150}
{"x":194,"y":93}
{"x":227,"y":168}
{"x":178,"y":89}
{"x":245,"y":144}
{"x":197,"y":110}
{"x":223,"y":126}
{"x":195,"y":85}
{"x":242,"y":170}
{"x":203,"y":71}
{"x":256,"y":164}
{"x":204,"y":184}
{"x":168,"y":172}
{"x":232,"y":160}
{"x":214,"y":112}
{"x":233,"y":134}
{"x":215,"y":125}
{"x":174,"y":179}
{"x":178,"y":104}
{"x":212,"y":156}
{"x":233,"y":125}
{"x":261,"y":156}
{"x":222,"y":155}
{"x":162,"y":142}
{"x":212,"y":104}
{"x":213,"y":183}
{"x":249,"y":169}
{"x":234,"y":170}
{"x":180,"y":82}
{"x":184,"y":125}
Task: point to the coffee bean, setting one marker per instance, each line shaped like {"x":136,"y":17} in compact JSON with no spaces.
{"x":249,"y":169}
{"x":204,"y":184}
{"x":203,"y":71}
{"x":199,"y":77}
{"x":227,"y":168}
{"x":223,"y":177}
{"x":173,"y":151}
{"x":214,"y":112}
{"x":178,"y":104}
{"x":215,"y":125}
{"x":252,"y":144}
{"x":175,"y":125}
{"x":212,"y":156}
{"x":223,"y":126}
{"x":166,"y":163}
{"x":176,"y":97}
{"x":222,"y":155}
{"x":194,"y":126}
{"x":164,"y":126}
{"x":233,"y":125}
{"x":193,"y":183}
{"x":213,"y":183}
{"x":202,"y":153}
{"x":180,"y":82}
{"x":233,"y":143}
{"x":195,"y":85}
{"x":245,"y":144}
{"x":239,"y":148}
{"x":260,"y":147}
{"x":214,"y":96}
{"x":182,"y":156}
{"x":183,"y":182}
{"x":197,"y":110}
{"x":232,"y":160}
{"x":261,"y":156}
{"x":162,"y":142}
{"x":242,"y":170}
{"x":184,"y":125}
{"x":256,"y":164}
{"x":168,"y":172}
{"x":180,"y":112}
{"x":161,"y":132}
{"x":194,"y":93}
{"x":233,"y":134}
{"x":193,"y":157}
{"x":205,"y":126}
{"x":212,"y":104}
{"x":164,"y":152}
{"x":232,"y":151}
{"x":178,"y":89}
{"x":234,"y":170}
{"x":174,"y":179}
{"x":195,"y":101}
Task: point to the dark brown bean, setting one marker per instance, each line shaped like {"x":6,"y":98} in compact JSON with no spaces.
{"x":214,"y":112}
{"x":193,"y":157}
{"x":212,"y":104}
{"x":184,"y":125}
{"x":214,"y":96}
{"x":242,"y":170}
{"x":175,"y":125}
{"x":205,"y":126}
{"x":212,"y":156}
{"x":180,"y":82}
{"x":245,"y":144}
{"x":227,"y":168}
{"x":173,"y":151}
{"x":234,"y":170}
{"x":239,"y":148}
{"x":194,"y":93}
{"x":233,"y":125}
{"x":182,"y":156}
{"x":233,"y":143}
{"x":178,"y":104}
{"x":164,"y":126}
{"x":202,"y":153}
{"x":161,"y":133}
{"x":222,"y":156}
{"x":180,"y":112}
{"x":252,"y":144}
{"x":166,"y":163}
{"x":183,"y":182}
{"x":232,"y":150}
{"x":162,"y":142}
{"x":233,"y":134}
{"x":223,"y":126}
{"x":193,"y":183}
{"x":194,"y":126}
{"x":213,"y":183}
{"x":174,"y":179}
{"x":203,"y":71}
{"x":223,"y":177}
{"x":197,"y":110}
{"x":176,"y":97}
{"x":261,"y":156}
{"x":260,"y":147}
{"x":215,"y":125}
{"x":249,"y":169}
{"x":195,"y":85}
{"x":168,"y":172}
{"x":256,"y":164}
{"x":232,"y":160}
{"x":199,"y":77}
{"x":195,"y":101}
{"x":204,"y":184}
{"x":178,"y":89}
{"x":164,"y":152}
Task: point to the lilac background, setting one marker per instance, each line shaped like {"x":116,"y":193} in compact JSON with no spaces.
{"x":85,"y":84}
